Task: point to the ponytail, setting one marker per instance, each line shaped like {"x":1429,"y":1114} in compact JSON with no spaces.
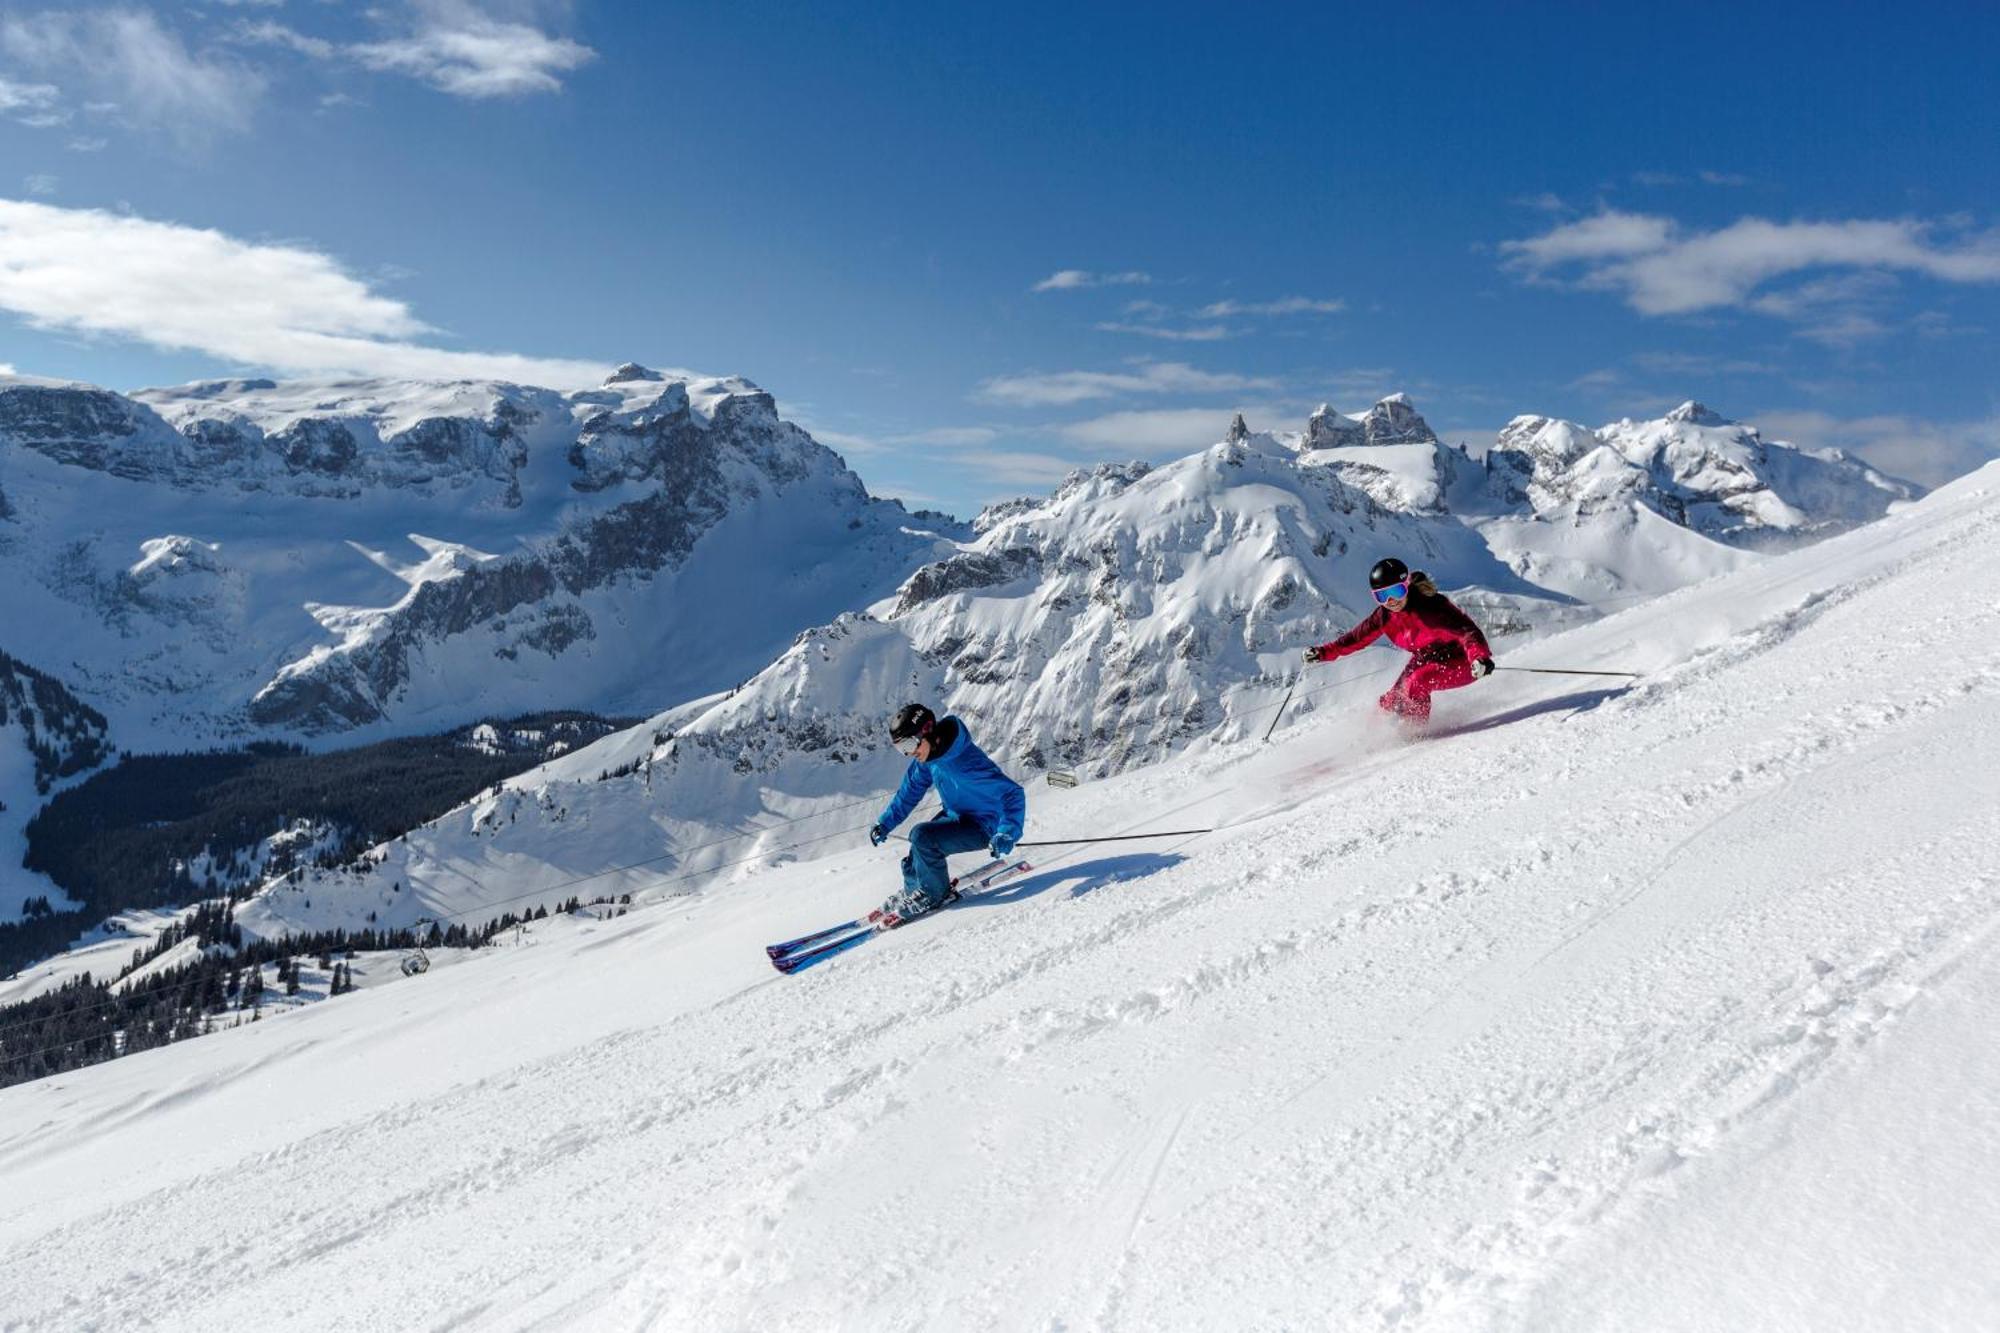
{"x":1420,"y":583}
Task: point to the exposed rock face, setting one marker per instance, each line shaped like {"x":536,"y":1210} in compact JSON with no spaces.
{"x":592,"y":499}
{"x":1394,"y":420}
{"x":86,"y":427}
{"x":1328,"y":429}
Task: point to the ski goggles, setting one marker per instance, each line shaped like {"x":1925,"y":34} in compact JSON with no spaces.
{"x":1393,"y":591}
{"x":908,"y":745}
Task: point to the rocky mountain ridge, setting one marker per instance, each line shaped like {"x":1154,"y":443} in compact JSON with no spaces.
{"x":219,"y":559}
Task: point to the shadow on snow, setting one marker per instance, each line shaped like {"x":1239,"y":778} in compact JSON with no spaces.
{"x":1083,"y":878}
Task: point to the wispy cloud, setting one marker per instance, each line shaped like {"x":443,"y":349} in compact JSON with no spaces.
{"x":138,"y":69}
{"x":35,"y":104}
{"x":1545,"y":202}
{"x":40,"y":184}
{"x":455,"y":46}
{"x":1925,"y":451}
{"x":1661,"y":268}
{"x":1065,"y":387}
{"x":268,"y":32}
{"x":1019,"y":467}
{"x":1206,"y":333}
{"x":1075,"y":279}
{"x":1287,"y":305}
{"x":1167,"y":432}
{"x":948,"y":437}
{"x":460,"y":49}
{"x":1697,"y":363}
{"x":281,"y":307}
{"x":1664,"y":179}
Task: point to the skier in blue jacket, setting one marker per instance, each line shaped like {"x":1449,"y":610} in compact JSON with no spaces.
{"x":982,"y":806}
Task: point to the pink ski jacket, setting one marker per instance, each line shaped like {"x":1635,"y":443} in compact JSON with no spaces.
{"x":1430,"y":627}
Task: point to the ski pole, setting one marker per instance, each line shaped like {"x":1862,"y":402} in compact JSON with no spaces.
{"x":1559,"y":671}
{"x":1123,"y":837}
{"x":1281,"y":708}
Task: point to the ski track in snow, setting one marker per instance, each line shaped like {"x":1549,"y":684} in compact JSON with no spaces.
{"x":1417,"y":1027}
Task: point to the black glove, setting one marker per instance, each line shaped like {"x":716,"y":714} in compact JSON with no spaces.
{"x":1481,"y":666}
{"x":878,"y":835}
{"x":1319,"y":653}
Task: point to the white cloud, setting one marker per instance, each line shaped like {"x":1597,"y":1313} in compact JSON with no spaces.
{"x":41,"y":183}
{"x":939,"y":437}
{"x":1545,"y":202}
{"x":87,"y":144}
{"x":1073,"y":279}
{"x":1289,"y":305}
{"x":1167,"y":431}
{"x":1206,"y":333}
{"x":1925,"y":451}
{"x":1695,"y":363}
{"x":485,"y":59}
{"x":1668,"y":178}
{"x":285,"y":308}
{"x":1662,"y":270}
{"x":139,"y":69}
{"x":1017,"y":467}
{"x":453,"y":45}
{"x":28,"y":101}
{"x":1077,"y":386}
{"x":266,"y":32}
{"x":949,"y":437}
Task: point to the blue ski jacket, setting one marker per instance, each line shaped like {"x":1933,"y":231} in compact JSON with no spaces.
{"x":968,"y":783}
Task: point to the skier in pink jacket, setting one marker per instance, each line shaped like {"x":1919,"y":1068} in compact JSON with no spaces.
{"x":1446,"y":649}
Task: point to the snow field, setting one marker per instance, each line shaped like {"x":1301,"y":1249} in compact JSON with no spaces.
{"x":1525,"y":1025}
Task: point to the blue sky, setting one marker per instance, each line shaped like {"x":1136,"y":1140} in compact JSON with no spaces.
{"x":973,"y":246}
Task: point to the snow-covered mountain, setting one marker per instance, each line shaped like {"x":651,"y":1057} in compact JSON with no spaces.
{"x":1134,"y":612}
{"x":1634,"y":507}
{"x":1666,"y":1006}
{"x":378,"y":557}
{"x":604,"y":544}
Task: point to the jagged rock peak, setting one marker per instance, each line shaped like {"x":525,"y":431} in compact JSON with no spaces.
{"x":632,"y":370}
{"x":1328,"y":429}
{"x":1239,"y":429}
{"x":1698,"y":414}
{"x":1395,"y":420}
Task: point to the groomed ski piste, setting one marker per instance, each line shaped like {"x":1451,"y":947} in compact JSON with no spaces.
{"x":1660,"y":1005}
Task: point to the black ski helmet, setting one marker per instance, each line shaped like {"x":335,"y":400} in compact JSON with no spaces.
{"x":912,"y":721}
{"x":1387,"y":573}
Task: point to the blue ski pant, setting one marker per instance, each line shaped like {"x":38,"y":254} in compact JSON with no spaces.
{"x":930,"y":843}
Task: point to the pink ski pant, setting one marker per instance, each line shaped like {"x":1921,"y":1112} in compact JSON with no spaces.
{"x":1410,"y":696}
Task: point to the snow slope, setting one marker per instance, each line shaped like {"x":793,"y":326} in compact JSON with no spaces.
{"x":1533,"y":1024}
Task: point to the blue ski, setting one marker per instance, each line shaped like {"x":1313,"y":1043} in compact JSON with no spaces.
{"x":793,"y":946}
{"x":792,"y":962}
{"x":792,"y":955}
